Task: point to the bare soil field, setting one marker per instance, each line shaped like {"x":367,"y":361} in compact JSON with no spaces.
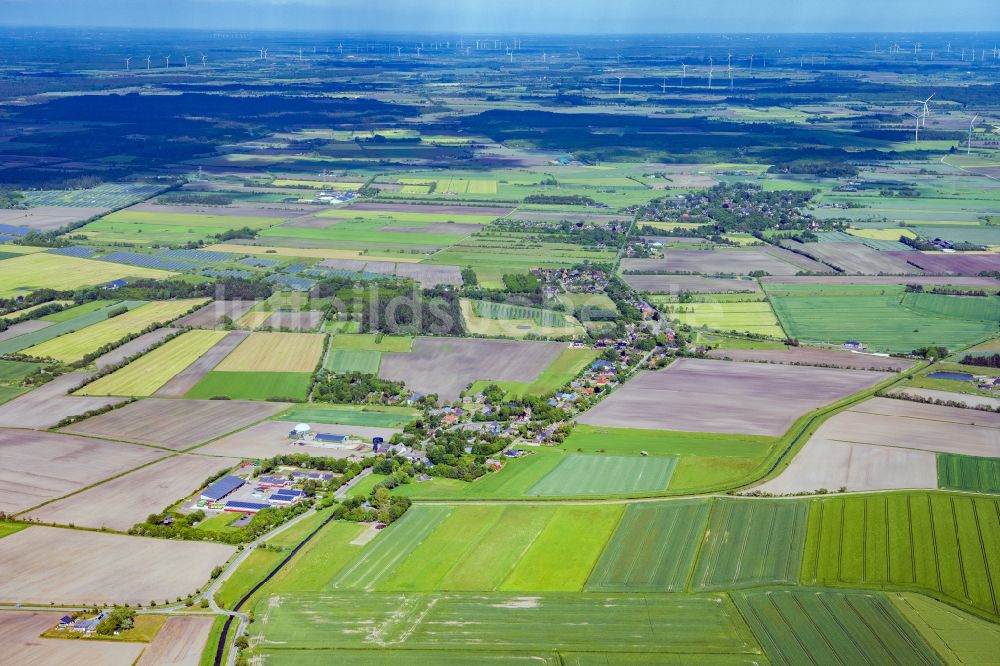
{"x":958,"y":263}
{"x":772,"y":260}
{"x":347,"y":264}
{"x":674,"y":284}
{"x":970,"y":401}
{"x":76,"y":567}
{"x":19,"y":635}
{"x":696,"y":395}
{"x":179,"y":643}
{"x":307,"y":320}
{"x":830,"y":464}
{"x":140,"y":344}
{"x":275,"y":352}
{"x":46,"y":218}
{"x":270,"y":438}
{"x":815,"y":356}
{"x":402,"y":209}
{"x":856,"y":258}
{"x":124,"y":501}
{"x":429,"y":275}
{"x":40,"y":466}
{"x":29,"y":326}
{"x":883,"y":279}
{"x":447,"y":366}
{"x":48,"y":404}
{"x":445,"y":228}
{"x":175,"y":424}
{"x":185,"y":380}
{"x":212,"y":314}
{"x":914,"y":410}
{"x":239,"y":210}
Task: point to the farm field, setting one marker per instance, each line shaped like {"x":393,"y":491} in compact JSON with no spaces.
{"x":820,"y":627}
{"x":50,"y":564}
{"x":702,"y":627}
{"x":126,"y":500}
{"x":674,"y":284}
{"x":653,"y":549}
{"x":74,"y":346}
{"x":149,"y":227}
{"x":761,"y":399}
{"x":447,"y":366}
{"x":150,"y":372}
{"x":134,"y":347}
{"x":41,"y":466}
{"x":20,"y":633}
{"x":751,"y":543}
{"x":815,"y":356}
{"x":879,"y":316}
{"x":371,"y":342}
{"x":274,"y":386}
{"x":582,"y":475}
{"x":275,"y":352}
{"x":39,"y":331}
{"x":45,"y":406}
{"x":755,"y":318}
{"x":561,"y":371}
{"x":373,"y":416}
{"x":353,"y":360}
{"x":957,"y":636}
{"x":938,"y":542}
{"x":186,"y":379}
{"x":213,"y":314}
{"x":957,"y":472}
{"x":496,"y":319}
{"x":180,"y":641}
{"x":51,"y":271}
{"x":772,"y":260}
{"x":175,"y":424}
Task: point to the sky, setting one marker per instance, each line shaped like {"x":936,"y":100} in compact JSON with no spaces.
{"x":515,"y":16}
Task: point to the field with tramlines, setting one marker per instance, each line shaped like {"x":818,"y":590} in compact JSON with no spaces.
{"x":958,"y":472}
{"x":942,"y":542}
{"x":489,"y":310}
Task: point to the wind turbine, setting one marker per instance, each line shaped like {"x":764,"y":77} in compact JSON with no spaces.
{"x":619,"y":77}
{"x":185,"y":62}
{"x":972,"y":123}
{"x":204,"y":58}
{"x":684,"y":73}
{"x":663,"y":86}
{"x":168,"y":62}
{"x":751,"y":62}
{"x":916,"y":128}
{"x":149,"y":61}
{"x":300,"y":54}
{"x":730,"y":69}
{"x":711,"y":71}
{"x":618,"y":57}
{"x":399,"y":51}
{"x":127,"y":61}
{"x":927,"y":110}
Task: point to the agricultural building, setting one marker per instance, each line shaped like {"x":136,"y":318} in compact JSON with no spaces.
{"x":285,"y":497}
{"x":239,"y":506}
{"x":272,"y":482}
{"x":331,"y":439}
{"x":222,"y":488}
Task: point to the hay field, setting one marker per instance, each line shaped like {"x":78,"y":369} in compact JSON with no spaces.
{"x":175,"y":424}
{"x":50,"y":564}
{"x":275,"y":352}
{"x":446,"y":366}
{"x":74,"y":346}
{"x":122,"y":502}
{"x":186,"y":379}
{"x":139,"y":344}
{"x":179,"y":643}
{"x":750,"y":317}
{"x":19,"y":635}
{"x":53,"y":271}
{"x":145,"y":375}
{"x":696,"y":395}
{"x":40,"y":466}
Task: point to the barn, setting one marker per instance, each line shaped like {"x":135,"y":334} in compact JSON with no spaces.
{"x":221,"y":488}
{"x":239,"y":506}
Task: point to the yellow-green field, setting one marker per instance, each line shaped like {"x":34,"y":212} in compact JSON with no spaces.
{"x":891,"y":234}
{"x":515,"y":328}
{"x":30,"y":272}
{"x":146,"y":375}
{"x":74,"y":346}
{"x":275,"y":352}
{"x":756,"y":317}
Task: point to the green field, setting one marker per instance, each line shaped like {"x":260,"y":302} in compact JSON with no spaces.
{"x":957,"y":472}
{"x":513,"y":481}
{"x":52,"y":271}
{"x":12,"y":372}
{"x":959,"y":637}
{"x":743,"y":317}
{"x":751,"y":543}
{"x":147,"y":374}
{"x":40,"y":336}
{"x":6,"y":529}
{"x":353,"y":360}
{"x":832,"y":627}
{"x":940,"y":542}
{"x":74,"y":346}
{"x":883,"y":317}
{"x":653,"y":548}
{"x":684,"y":627}
{"x":76,"y":311}
{"x":371,"y":342}
{"x":369,"y":415}
{"x":389,"y":549}
{"x":582,"y":475}
{"x":129,"y":226}
{"x":252,"y":386}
